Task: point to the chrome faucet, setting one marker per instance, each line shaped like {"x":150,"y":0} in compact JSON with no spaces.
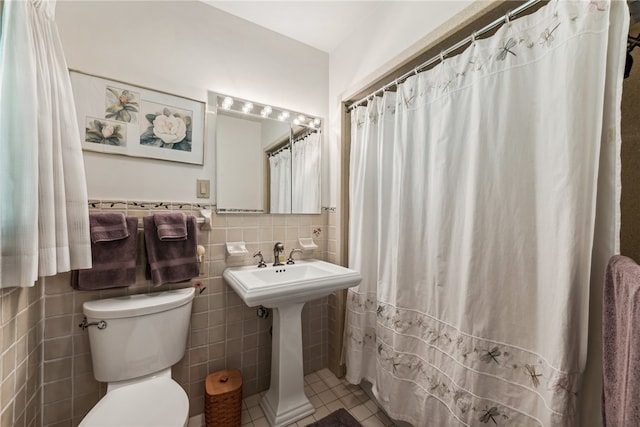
{"x":290,"y":259}
{"x":278,"y":248}
{"x":261,"y":262}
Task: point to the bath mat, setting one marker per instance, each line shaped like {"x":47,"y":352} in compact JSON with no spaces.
{"x":338,"y":418}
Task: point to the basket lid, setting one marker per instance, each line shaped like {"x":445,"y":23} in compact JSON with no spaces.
{"x":223,"y":382}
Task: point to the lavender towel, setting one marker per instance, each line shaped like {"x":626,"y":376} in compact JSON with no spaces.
{"x":106,"y":227}
{"x":171,"y":226}
{"x":114,"y":262}
{"x":621,"y":339}
{"x":170,"y":261}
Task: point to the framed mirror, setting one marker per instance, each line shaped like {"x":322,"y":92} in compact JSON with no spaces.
{"x":268,"y":160}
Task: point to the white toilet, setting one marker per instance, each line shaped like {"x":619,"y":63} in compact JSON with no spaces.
{"x":134,"y":342}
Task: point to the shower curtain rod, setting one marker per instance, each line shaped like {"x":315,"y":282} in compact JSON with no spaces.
{"x":470,"y":39}
{"x":300,"y":137}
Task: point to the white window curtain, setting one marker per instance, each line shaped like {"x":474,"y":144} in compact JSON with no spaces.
{"x":44,"y":225}
{"x":483,"y":203}
{"x":306,"y":174}
{"x":280,"y":182}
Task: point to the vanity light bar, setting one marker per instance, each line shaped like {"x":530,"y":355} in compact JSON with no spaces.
{"x":247,"y":107}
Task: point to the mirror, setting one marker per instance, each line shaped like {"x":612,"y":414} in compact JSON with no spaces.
{"x":267,"y":160}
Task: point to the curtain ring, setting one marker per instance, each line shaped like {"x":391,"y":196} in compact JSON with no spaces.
{"x":507,"y":18}
{"x":442,"y":56}
{"x":473,"y":38}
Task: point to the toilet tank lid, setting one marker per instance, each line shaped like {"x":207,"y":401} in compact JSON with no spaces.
{"x":137,"y":305}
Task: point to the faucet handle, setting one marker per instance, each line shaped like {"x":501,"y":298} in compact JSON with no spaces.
{"x":290,"y":259}
{"x":261,"y":262}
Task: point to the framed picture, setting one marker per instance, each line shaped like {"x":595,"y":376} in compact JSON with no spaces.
{"x":120,"y":118}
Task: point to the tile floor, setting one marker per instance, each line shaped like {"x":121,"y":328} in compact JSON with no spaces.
{"x":327,"y":393}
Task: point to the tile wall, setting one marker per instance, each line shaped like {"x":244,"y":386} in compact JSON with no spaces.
{"x":224,"y":332}
{"x":21,"y":324}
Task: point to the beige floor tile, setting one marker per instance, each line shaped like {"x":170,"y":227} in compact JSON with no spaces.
{"x":261,"y":422}
{"x":371,"y":405}
{"x":245,"y":418}
{"x":385,"y":419}
{"x":340,"y":390}
{"x":332,"y":381}
{"x":255,"y":413}
{"x":325,"y":373}
{"x":312,"y":378}
{"x":305,"y":421}
{"x":252,"y":401}
{"x":360,"y":393}
{"x":319,"y":387}
{"x":335,"y":405}
{"x":316,"y":401}
{"x":360,"y":412}
{"x":349,"y":401}
{"x":321,"y":412}
{"x":372,"y":421}
{"x":309,"y":391}
{"x":327,"y":396}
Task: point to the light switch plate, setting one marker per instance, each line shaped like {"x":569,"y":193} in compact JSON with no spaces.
{"x":202,"y":188}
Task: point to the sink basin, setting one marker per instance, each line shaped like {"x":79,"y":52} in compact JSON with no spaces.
{"x":300,"y":282}
{"x":286,"y":288}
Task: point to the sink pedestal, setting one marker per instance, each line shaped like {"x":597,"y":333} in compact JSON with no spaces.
{"x":286,"y":288}
{"x":285,"y":401}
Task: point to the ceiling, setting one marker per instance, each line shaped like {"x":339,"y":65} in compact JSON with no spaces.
{"x":321,"y":24}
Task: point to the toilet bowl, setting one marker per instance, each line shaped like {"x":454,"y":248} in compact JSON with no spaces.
{"x":157,"y":402}
{"x":133,"y":350}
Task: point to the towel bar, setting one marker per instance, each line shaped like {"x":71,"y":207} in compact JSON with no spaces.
{"x":204,"y":220}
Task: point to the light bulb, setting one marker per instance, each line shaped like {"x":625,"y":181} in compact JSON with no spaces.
{"x":266,"y":111}
{"x":227,"y":102}
{"x":247,"y":107}
{"x":316,"y":121}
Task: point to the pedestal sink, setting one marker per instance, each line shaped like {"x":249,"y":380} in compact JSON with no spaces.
{"x":286,"y":288}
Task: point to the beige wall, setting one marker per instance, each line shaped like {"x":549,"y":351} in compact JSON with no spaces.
{"x":21,"y":328}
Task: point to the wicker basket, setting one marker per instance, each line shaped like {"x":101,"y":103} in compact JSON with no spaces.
{"x":223,"y":399}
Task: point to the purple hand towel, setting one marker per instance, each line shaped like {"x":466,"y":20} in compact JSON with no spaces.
{"x":114,"y":262}
{"x":171,"y":226}
{"x":106,"y":227}
{"x":170,"y":261}
{"x":621,"y":340}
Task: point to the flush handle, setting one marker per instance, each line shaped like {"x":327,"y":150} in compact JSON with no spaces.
{"x":102,"y":324}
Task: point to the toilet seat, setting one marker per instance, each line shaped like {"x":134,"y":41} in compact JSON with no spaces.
{"x":157,"y":402}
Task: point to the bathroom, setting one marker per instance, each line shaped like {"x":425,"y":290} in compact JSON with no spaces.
{"x":190,"y":49}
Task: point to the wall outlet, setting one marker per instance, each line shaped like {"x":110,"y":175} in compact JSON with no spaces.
{"x":202,"y":188}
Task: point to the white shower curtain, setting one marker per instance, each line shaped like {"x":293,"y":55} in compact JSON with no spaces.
{"x":305,"y":171}
{"x":280,"y":182}
{"x":483,"y":201}
{"x":44,"y":222}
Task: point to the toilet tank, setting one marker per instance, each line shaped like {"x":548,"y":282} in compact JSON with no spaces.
{"x":144,"y":333}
